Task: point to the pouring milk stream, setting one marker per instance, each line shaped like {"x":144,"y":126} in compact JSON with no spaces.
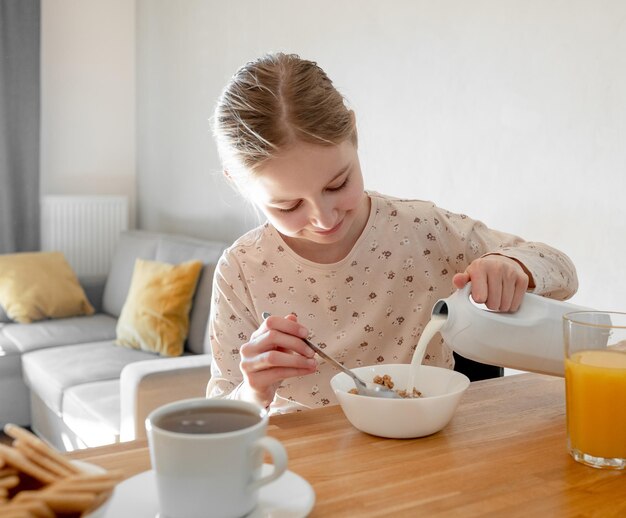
{"x":531,"y":339}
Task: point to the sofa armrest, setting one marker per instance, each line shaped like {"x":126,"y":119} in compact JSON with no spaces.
{"x":146,"y":385}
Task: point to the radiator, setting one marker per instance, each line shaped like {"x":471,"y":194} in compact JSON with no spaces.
{"x":85,"y":228}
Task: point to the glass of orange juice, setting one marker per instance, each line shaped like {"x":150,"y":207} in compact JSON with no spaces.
{"x":595,"y":387}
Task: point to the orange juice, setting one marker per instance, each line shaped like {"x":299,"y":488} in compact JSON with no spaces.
{"x":595,"y":383}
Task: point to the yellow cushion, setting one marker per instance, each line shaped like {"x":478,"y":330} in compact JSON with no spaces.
{"x":155,"y":316}
{"x":38,"y":285}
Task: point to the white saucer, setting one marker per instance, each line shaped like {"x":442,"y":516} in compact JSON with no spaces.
{"x":290,"y":496}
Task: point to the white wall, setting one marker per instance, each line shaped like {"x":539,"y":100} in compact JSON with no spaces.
{"x":88,"y":98}
{"x":508,"y":110}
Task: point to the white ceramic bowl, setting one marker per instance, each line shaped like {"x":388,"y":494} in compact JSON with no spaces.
{"x":402,"y":418}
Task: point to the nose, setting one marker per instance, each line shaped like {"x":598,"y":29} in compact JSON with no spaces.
{"x":323,"y":215}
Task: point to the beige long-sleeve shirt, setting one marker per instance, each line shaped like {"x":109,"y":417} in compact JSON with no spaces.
{"x":368,"y":308}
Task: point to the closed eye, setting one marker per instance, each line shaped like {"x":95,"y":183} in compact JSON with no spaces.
{"x":343,"y":185}
{"x":291,"y":209}
{"x":331,"y":189}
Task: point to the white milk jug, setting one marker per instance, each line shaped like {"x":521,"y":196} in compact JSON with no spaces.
{"x":530,"y":339}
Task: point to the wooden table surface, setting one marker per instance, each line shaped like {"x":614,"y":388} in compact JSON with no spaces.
{"x":503,"y":454}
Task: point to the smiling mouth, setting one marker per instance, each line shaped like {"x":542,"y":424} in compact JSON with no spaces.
{"x":331,"y":231}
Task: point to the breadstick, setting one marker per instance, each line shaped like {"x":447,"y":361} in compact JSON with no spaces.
{"x":17,"y":432}
{"x":111,"y":475}
{"x":29,"y":508}
{"x":67,"y":489}
{"x":43,"y":461}
{"x":60,"y":502}
{"x":17,"y":513}
{"x":17,"y":460}
{"x":8,"y":471}
{"x":10,"y":481}
{"x":95,"y":486}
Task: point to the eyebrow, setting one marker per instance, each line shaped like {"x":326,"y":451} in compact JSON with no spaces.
{"x":342,"y":171}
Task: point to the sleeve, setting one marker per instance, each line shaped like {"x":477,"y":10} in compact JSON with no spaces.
{"x":464,"y":239}
{"x":231,"y":323}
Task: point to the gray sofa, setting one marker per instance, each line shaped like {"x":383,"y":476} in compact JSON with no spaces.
{"x":67,"y":379}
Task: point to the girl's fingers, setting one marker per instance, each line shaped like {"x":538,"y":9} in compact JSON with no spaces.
{"x":288,"y":325}
{"x":497,"y":281}
{"x":480,"y":290}
{"x":514,"y":285}
{"x":460,"y":279}
{"x":508,"y":292}
{"x":273,"y":340}
{"x":261,"y":380}
{"x":520,"y":288}
{"x":274,"y":353}
{"x":494,"y":291}
{"x":273,"y":359}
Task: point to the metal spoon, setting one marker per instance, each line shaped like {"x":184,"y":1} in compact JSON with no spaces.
{"x":362,"y":387}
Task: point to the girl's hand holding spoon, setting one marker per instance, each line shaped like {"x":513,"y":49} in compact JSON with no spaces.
{"x":274,"y":353}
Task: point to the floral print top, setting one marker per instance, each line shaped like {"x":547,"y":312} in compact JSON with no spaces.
{"x":368,"y":308}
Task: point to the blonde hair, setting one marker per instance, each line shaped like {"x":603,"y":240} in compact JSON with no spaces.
{"x":273,"y":102}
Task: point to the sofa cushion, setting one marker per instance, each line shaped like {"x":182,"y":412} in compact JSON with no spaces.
{"x":39,"y":285}
{"x":3,"y":316}
{"x":174,"y":250}
{"x":170,"y":249}
{"x":63,"y":331}
{"x":155,"y":316}
{"x":49,"y":372}
{"x":92,"y":411}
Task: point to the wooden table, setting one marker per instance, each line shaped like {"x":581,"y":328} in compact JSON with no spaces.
{"x":503,"y":454}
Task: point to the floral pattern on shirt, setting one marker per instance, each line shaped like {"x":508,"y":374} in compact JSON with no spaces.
{"x":371,"y":307}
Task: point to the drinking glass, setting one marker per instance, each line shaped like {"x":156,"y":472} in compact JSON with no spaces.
{"x":595,"y":386}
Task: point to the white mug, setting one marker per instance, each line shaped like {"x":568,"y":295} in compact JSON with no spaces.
{"x":207,"y":456}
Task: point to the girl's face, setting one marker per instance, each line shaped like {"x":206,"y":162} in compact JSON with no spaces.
{"x":313,"y":193}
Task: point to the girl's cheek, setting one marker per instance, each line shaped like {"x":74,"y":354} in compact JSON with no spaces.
{"x":352,"y":199}
{"x":353,"y":195}
{"x":355,"y":198}
{"x":287,"y":224}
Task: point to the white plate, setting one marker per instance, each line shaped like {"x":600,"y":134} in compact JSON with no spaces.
{"x":290,"y":496}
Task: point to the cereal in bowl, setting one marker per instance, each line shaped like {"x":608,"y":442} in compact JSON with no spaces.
{"x":386,"y":381}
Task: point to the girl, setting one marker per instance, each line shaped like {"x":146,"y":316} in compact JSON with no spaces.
{"x":355,"y":271}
